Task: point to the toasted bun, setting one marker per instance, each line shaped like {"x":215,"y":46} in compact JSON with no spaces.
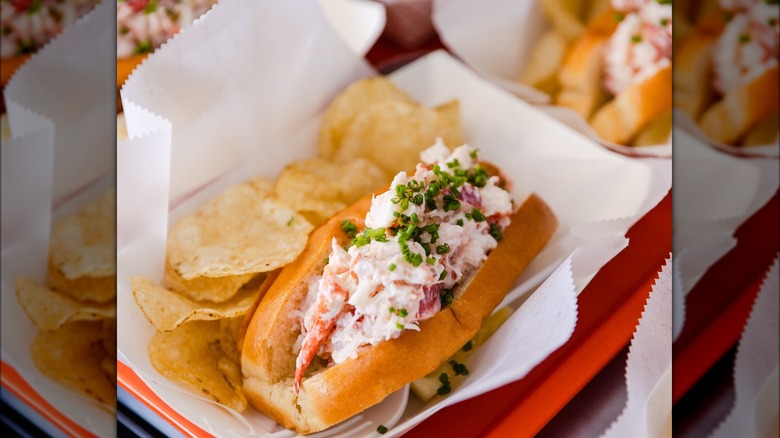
{"x":580,"y":76}
{"x":126,"y":66}
{"x":742,"y":108}
{"x":341,"y":391}
{"x":693,"y":89}
{"x":9,"y":66}
{"x":619,"y":120}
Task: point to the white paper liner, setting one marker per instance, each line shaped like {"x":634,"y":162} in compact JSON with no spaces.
{"x":359,"y":23}
{"x":756,"y":368}
{"x":495,"y":37}
{"x":61,"y":156}
{"x":719,"y":192}
{"x":648,"y":410}
{"x":268,"y":114}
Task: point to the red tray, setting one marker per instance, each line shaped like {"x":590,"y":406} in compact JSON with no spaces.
{"x":15,"y":383}
{"x":718,"y":307}
{"x":609,"y":309}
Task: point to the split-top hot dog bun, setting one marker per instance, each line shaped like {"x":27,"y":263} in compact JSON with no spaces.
{"x":331,"y":394}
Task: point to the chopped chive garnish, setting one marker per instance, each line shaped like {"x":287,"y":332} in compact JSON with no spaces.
{"x":391,"y":267}
{"x":443,"y":249}
{"x":392,"y":310}
{"x":443,"y":275}
{"x":495,"y":231}
{"x":349,"y":228}
{"x":431,"y":260}
{"x":402,"y":313}
{"x":382,"y":429}
{"x":636,"y":39}
{"x":399,"y":326}
{"x":469,"y":345}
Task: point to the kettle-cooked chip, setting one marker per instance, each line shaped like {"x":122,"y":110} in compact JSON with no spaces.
{"x":393,"y":133}
{"x":192,"y":355}
{"x":50,"y":310}
{"x":242,"y":231}
{"x":167,"y":310}
{"x":84,"y":243}
{"x":318,"y":189}
{"x":228,"y":329}
{"x":72,"y":355}
{"x":348,"y":104}
{"x":97,"y":289}
{"x":216,"y":289}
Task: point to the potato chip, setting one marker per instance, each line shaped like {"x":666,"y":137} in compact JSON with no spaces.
{"x":5,"y":127}
{"x":109,"y":337}
{"x":192,"y":355}
{"x":393,"y":133}
{"x":242,"y":231}
{"x":659,"y":131}
{"x":49,"y":310}
{"x":84,"y":243}
{"x":541,"y":68}
{"x":351,"y":102}
{"x":72,"y":355}
{"x":228,"y":329}
{"x":566,"y":16}
{"x":216,"y":289}
{"x":97,"y":289}
{"x":167,"y":310}
{"x":764,"y":132}
{"x":262,"y":290}
{"x":319,"y":189}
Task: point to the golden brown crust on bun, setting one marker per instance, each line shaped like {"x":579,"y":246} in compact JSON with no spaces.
{"x":581,"y":75}
{"x":619,"y":120}
{"x":334,"y":394}
{"x":693,"y":73}
{"x":126,"y":66}
{"x":742,"y":108}
{"x":9,"y":66}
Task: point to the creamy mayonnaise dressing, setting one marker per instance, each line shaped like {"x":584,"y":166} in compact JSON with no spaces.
{"x":749,"y":44}
{"x":377,"y":288}
{"x":641,"y":44}
{"x":143,"y":25}
{"x":29,"y":24}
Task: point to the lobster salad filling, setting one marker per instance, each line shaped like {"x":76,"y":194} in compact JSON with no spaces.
{"x":749,"y":44}
{"x":422,"y":237}
{"x":144,"y":25}
{"x":29,"y":24}
{"x":641,"y":44}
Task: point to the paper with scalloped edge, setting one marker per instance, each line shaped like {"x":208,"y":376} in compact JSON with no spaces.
{"x":495,"y":37}
{"x":217,"y":98}
{"x":648,"y":409}
{"x":755,"y":409}
{"x":721,"y":191}
{"x":359,"y":23}
{"x":61,"y":113}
